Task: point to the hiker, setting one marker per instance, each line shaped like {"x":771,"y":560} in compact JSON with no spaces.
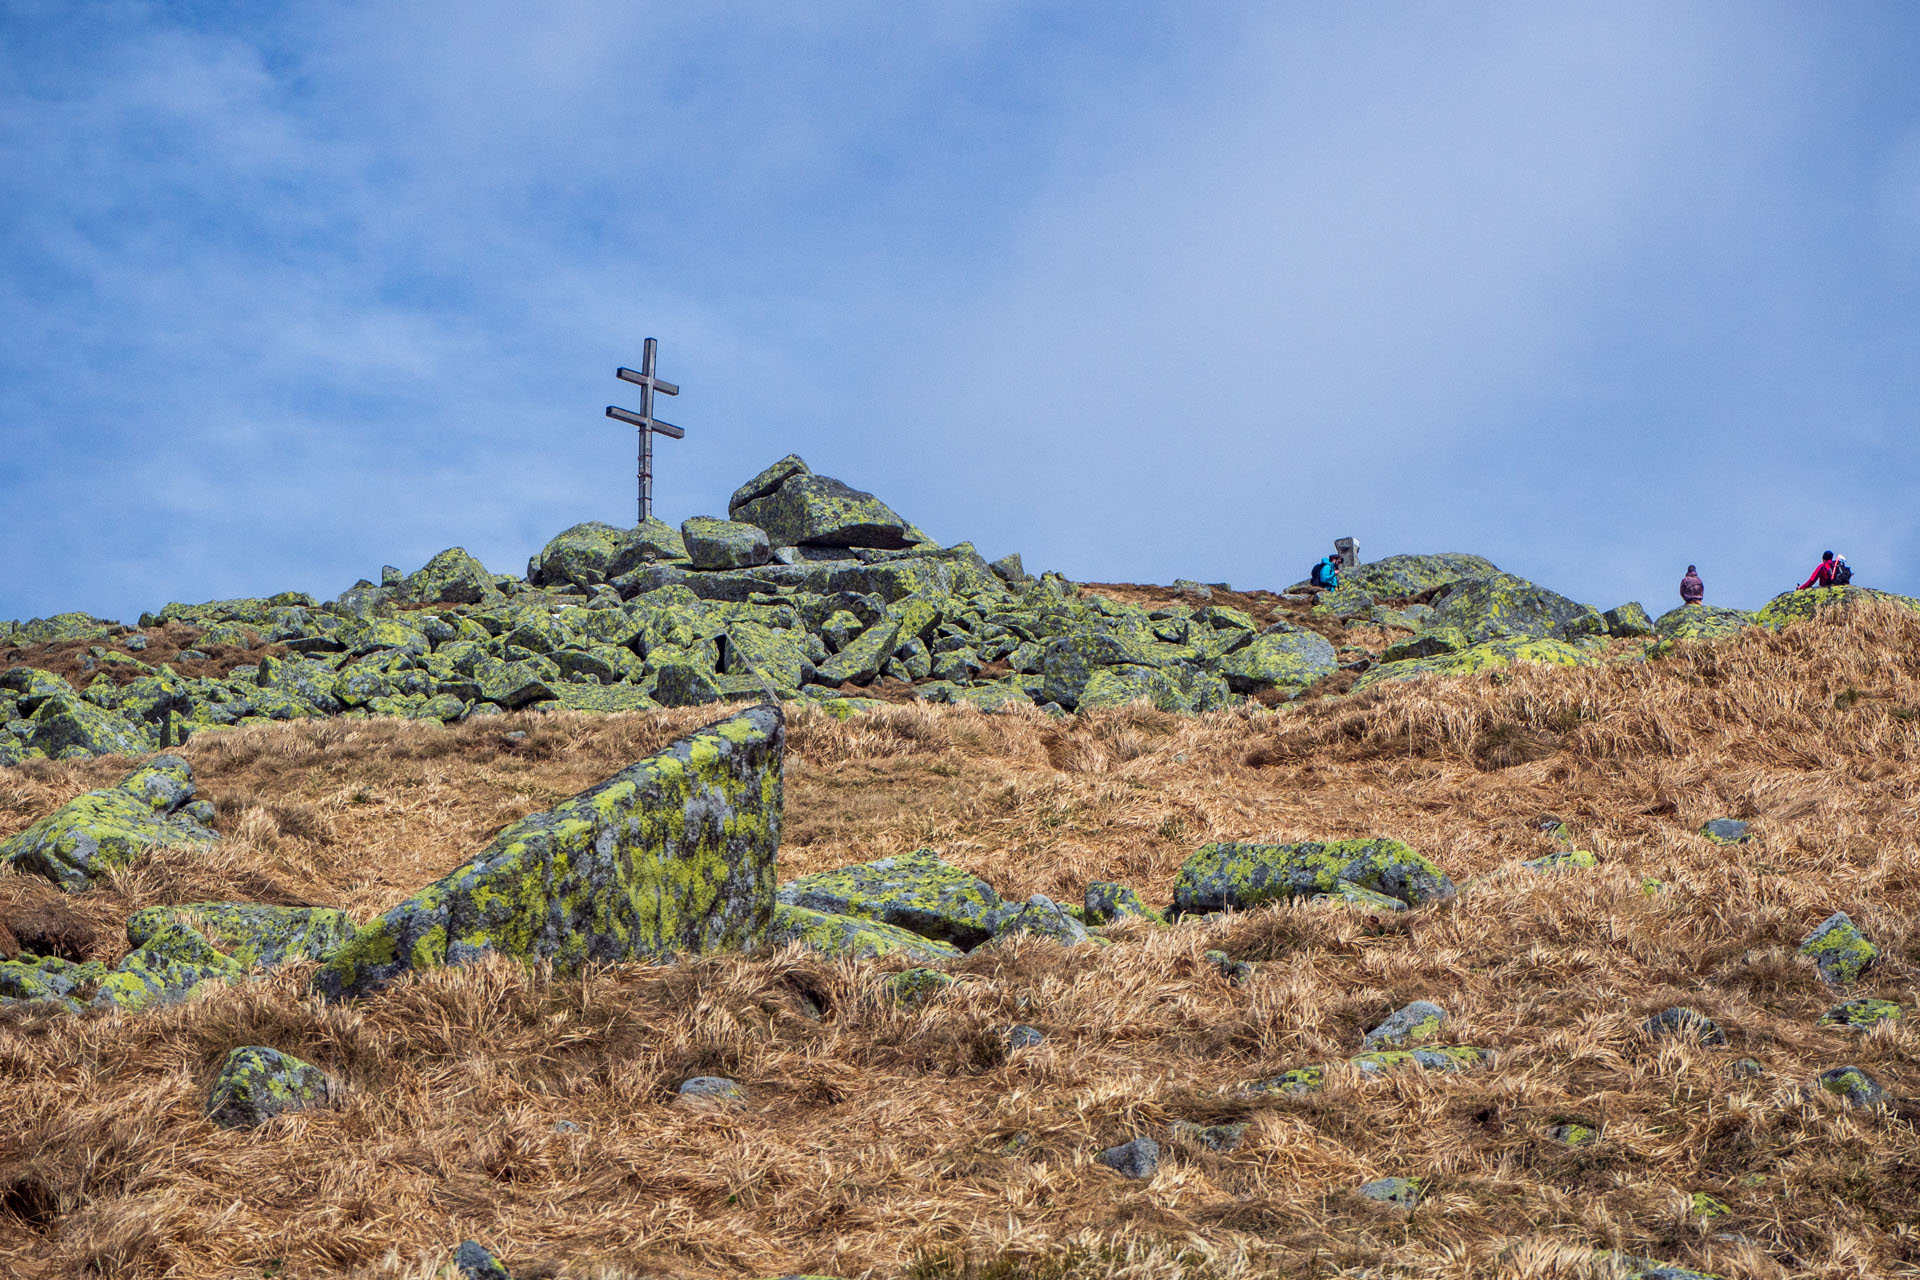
{"x":1824,"y":573}
{"x":1691,"y":588}
{"x":1326,"y":574}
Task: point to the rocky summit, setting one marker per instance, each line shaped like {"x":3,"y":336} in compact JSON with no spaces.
{"x":809,"y":590}
{"x":786,"y":893}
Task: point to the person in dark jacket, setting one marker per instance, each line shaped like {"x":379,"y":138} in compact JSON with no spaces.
{"x":1692,"y":590}
{"x":1822,"y":575}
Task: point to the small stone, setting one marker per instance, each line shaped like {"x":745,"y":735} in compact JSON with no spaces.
{"x":912,"y":987}
{"x":1701,"y":1205}
{"x":1563,"y":860}
{"x":1234,"y":971}
{"x":711,"y":1087}
{"x":1214,"y":1137}
{"x":1681,"y":1023}
{"x":1136,"y":1159}
{"x":1404,"y":1192}
{"x":1574,"y":1133}
{"x":1862,"y":1015}
{"x":1298,"y":1080}
{"x":1454,"y":1058}
{"x":256,"y":1084}
{"x":1023,"y":1036}
{"x":565,"y":1126}
{"x":1839,"y":949}
{"x":1412,"y":1024}
{"x":1851,"y":1085}
{"x":1747,"y":1069}
{"x":474,"y":1261}
{"x":1045,"y":918}
{"x":1726,"y":831}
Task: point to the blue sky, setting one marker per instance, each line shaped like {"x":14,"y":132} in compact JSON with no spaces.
{"x":1140,"y":291}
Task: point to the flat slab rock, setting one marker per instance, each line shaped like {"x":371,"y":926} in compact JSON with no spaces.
{"x":672,"y":854}
{"x":919,"y":892}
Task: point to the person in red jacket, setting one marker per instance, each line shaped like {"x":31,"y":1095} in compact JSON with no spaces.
{"x":1822,"y":575}
{"x":1692,"y":590}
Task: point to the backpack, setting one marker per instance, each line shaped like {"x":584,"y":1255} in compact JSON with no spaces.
{"x":1842,"y":574}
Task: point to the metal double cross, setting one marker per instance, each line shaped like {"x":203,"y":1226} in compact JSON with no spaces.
{"x":648,"y":424}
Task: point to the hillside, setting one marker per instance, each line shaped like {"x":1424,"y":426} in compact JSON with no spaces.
{"x":535,"y":1112}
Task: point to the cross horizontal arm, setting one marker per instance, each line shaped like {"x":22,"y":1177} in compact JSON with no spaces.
{"x":664,"y":387}
{"x":633,"y":419}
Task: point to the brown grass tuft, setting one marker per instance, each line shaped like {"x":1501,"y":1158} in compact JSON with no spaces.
{"x":876,"y":1141}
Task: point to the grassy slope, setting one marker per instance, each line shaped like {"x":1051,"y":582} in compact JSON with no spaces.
{"x":874,"y":1137}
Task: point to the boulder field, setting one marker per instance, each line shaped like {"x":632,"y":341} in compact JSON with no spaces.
{"x":809,"y":590}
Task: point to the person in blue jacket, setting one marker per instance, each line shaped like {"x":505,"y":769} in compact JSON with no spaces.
{"x":1326,"y":573}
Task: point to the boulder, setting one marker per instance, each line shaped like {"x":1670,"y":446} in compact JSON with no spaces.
{"x":1700,"y":622}
{"x":911,"y":988}
{"x":1492,"y":655}
{"x":1862,"y":1015}
{"x":256,"y":1084}
{"x":1628,"y":621}
{"x":1226,"y":877}
{"x":1118,"y":686}
{"x":474,"y":1261}
{"x":1839,"y":949}
{"x":1412,"y":575}
{"x":1045,"y":918}
{"x":1411,"y":1024}
{"x":1797,"y":606}
{"x":804,"y":509}
{"x":672,"y":854}
{"x":724,"y":544}
{"x":1426,"y":644}
{"x":1009,"y":570}
{"x":66,"y":725}
{"x":1456,"y":1058}
{"x":1285,"y":660}
{"x":251,"y":934}
{"x":1502,"y":606}
{"x":103,"y":831}
{"x":171,"y":965}
{"x":1106,"y":902}
{"x":30,"y":978}
{"x":766,"y":482}
{"x":856,"y":937}
{"x":594,"y":552}
{"x":452,"y":577}
{"x":915,"y":891}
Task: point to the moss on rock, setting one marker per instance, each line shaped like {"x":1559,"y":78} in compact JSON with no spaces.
{"x":253,"y":935}
{"x":1840,"y":950}
{"x":917,"y":891}
{"x":856,"y":937}
{"x":256,"y":1084}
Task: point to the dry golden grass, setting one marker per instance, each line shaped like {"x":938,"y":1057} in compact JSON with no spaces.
{"x":879,"y":1142}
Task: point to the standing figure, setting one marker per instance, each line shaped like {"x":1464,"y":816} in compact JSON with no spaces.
{"x":1692,"y":590}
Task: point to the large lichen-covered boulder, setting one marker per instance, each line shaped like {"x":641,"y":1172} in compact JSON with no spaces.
{"x":1798,"y":606}
{"x":251,"y":934}
{"x":1229,"y":877}
{"x":673,"y":854}
{"x":766,"y":482}
{"x":1412,"y":575}
{"x":1492,"y":655}
{"x":1700,"y":622}
{"x":1501,"y":605}
{"x":1628,"y":621}
{"x":724,"y":544}
{"x":1069,"y":662}
{"x":1286,"y":660}
{"x":256,"y":1084}
{"x":593,"y":552}
{"x":104,"y":831}
{"x":170,"y":966}
{"x":917,"y":891}
{"x":452,"y":577}
{"x":1118,"y":686}
{"x":852,"y":936}
{"x":811,"y":510}
{"x":67,"y":725}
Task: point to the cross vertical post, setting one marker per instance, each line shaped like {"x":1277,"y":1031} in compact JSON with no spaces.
{"x":648,"y":382}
